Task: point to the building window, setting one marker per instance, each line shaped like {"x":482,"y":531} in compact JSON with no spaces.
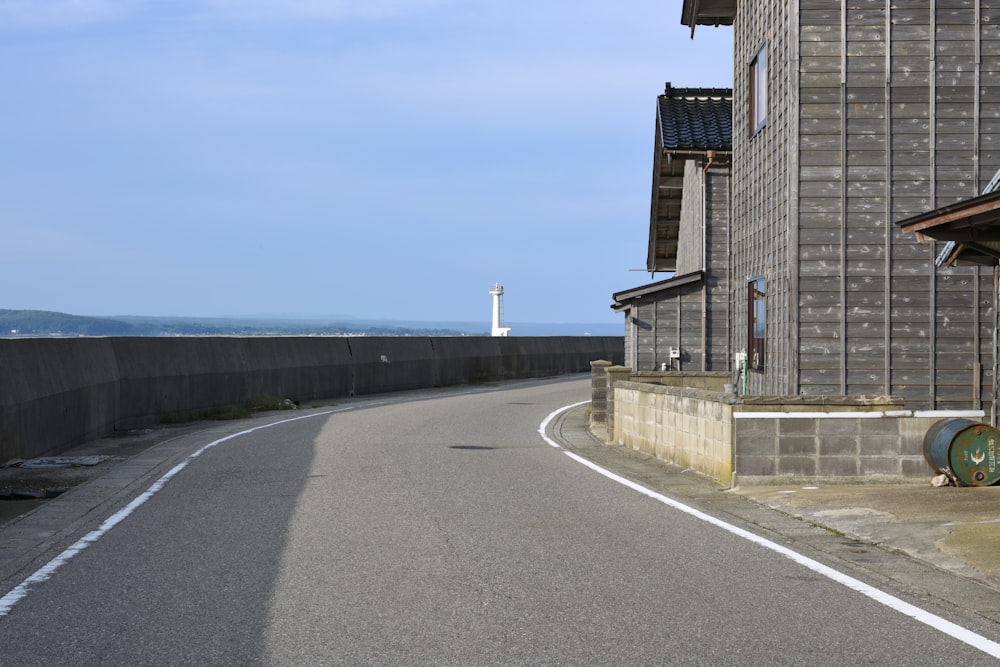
{"x":758,"y":89}
{"x":757,"y":329}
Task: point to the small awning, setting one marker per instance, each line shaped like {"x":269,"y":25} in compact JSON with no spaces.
{"x":971,"y":226}
{"x":625,"y":297}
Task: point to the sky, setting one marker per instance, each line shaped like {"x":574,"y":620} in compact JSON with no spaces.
{"x":381,"y":159}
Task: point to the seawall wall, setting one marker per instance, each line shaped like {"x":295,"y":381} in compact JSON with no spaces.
{"x":56,"y":393}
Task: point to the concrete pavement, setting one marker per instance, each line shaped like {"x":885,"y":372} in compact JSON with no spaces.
{"x":956,"y":529}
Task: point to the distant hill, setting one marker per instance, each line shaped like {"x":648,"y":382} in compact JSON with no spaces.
{"x":41,"y":323}
{"x":46,"y":323}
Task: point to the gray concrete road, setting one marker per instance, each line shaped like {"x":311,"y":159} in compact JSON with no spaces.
{"x":439,"y":531}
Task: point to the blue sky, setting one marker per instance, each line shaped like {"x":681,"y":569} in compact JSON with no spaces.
{"x":381,"y":158}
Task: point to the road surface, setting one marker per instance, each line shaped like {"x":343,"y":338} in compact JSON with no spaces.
{"x":442,"y":531}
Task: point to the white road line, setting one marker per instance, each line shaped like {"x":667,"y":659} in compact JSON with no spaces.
{"x":545,"y":423}
{"x":45,"y":572}
{"x":943,"y":625}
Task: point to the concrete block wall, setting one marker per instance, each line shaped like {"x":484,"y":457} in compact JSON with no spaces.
{"x":711,"y":380}
{"x":769,"y":440}
{"x":687,"y":427}
{"x":599,"y":395}
{"x":841,"y":445}
{"x":55,"y":393}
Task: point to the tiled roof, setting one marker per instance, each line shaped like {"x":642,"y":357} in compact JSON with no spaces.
{"x":696,"y":119}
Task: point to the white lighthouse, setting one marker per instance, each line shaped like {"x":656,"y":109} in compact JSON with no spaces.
{"x":498,"y":328}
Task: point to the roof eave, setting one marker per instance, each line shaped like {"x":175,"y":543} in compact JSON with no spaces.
{"x":948,"y":223}
{"x":645,"y":290}
{"x":707,"y":12}
{"x":971,"y":227}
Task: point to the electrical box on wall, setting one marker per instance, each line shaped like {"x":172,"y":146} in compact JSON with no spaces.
{"x":675,"y":353}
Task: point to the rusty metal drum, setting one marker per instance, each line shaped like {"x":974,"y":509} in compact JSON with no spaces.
{"x":964,"y":450}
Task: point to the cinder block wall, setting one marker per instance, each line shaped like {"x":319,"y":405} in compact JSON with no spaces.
{"x":688,"y":427}
{"x":55,"y":393}
{"x":770,"y":440}
{"x":806,"y":446}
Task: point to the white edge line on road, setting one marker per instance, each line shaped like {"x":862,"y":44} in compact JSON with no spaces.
{"x":45,"y":572}
{"x":545,"y":423}
{"x":943,"y":625}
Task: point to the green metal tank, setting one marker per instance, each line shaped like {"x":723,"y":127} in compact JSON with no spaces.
{"x":964,"y":450}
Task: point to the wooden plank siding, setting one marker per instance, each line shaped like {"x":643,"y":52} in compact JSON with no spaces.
{"x":877,"y":111}
{"x":644,"y":317}
{"x":764,"y":236}
{"x":718,"y":207}
{"x":679,"y":325}
{"x":689,"y":243}
{"x":690,"y":312}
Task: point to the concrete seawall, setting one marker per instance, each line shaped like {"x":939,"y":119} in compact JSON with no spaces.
{"x":56,"y":393}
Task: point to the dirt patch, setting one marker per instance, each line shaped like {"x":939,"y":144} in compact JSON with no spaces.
{"x":22,"y":488}
{"x":19,"y":482}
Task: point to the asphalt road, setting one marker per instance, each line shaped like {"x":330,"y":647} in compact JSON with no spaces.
{"x":442,"y":531}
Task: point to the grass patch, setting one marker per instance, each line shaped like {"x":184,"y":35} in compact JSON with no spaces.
{"x":264,"y":403}
{"x":226,"y":413}
{"x":231,"y":412}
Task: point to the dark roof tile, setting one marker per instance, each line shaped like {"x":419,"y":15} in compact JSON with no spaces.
{"x":696,"y":119}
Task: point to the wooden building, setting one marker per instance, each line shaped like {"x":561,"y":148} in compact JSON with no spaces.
{"x":682,"y":323}
{"x":846,"y":117}
{"x":971,"y":232}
